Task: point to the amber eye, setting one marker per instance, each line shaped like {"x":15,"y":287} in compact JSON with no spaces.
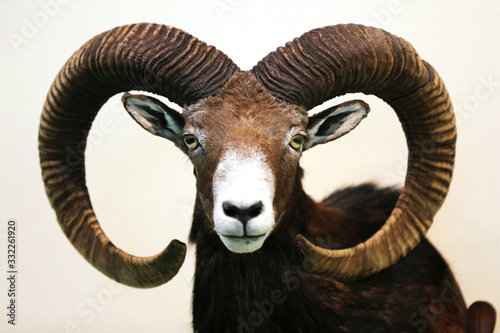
{"x":297,"y":141}
{"x":191,"y":141}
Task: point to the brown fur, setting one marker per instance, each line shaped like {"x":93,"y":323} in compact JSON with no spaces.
{"x":246,"y":118}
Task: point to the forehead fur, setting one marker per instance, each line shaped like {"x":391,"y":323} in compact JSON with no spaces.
{"x":244,"y":98}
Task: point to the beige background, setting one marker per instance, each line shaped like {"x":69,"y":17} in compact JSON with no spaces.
{"x":143,"y":188}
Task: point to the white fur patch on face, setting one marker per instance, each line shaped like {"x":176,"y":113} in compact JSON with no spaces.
{"x":243,"y":183}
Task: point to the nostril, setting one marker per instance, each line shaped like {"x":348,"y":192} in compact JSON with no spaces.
{"x":230,"y":209}
{"x":255,"y":210}
{"x":242,"y":213}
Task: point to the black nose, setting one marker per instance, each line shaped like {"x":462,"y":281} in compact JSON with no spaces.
{"x":242,"y":213}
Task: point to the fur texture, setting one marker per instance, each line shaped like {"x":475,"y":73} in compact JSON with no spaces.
{"x":271,"y":289}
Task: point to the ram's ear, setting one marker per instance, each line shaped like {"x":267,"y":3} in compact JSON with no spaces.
{"x":334,"y":122}
{"x":156,"y":118}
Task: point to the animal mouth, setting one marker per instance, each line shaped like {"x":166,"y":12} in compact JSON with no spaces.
{"x":244,"y":236}
{"x":244,"y":243}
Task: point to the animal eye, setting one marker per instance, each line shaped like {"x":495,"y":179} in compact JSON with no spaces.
{"x":191,"y":141}
{"x":297,"y":141}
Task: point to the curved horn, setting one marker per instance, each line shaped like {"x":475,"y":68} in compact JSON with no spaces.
{"x":150,"y":57}
{"x":336,"y":60}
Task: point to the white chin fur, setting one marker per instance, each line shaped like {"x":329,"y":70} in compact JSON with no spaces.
{"x":243,"y":182}
{"x":243,"y":244}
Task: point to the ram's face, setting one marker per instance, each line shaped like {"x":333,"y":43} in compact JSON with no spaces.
{"x":245,"y":146}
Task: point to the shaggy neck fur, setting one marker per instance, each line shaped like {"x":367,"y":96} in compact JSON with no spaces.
{"x":263,"y":291}
{"x":270,"y":290}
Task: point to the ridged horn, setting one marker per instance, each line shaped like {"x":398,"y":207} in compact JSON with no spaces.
{"x":335,"y":60}
{"x":150,"y":57}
